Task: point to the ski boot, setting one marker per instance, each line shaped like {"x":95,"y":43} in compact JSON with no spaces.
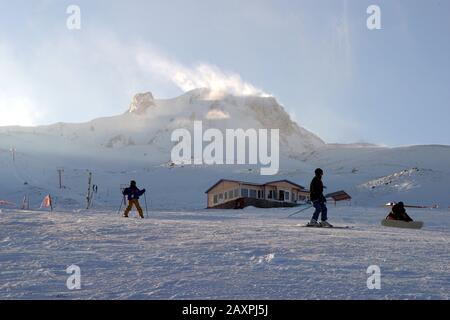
{"x":313,"y":223}
{"x":325,"y":224}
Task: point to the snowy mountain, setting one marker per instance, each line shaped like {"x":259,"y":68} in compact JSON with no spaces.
{"x":147,"y":126}
{"x":137,"y":144}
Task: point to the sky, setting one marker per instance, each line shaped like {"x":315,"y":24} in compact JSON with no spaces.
{"x":332,"y":74}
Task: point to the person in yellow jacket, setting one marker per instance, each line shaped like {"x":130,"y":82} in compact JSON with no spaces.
{"x":133,"y":194}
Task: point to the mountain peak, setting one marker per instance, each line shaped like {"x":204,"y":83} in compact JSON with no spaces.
{"x":141,"y":102}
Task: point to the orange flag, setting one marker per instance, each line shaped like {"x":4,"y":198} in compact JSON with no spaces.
{"x":47,"y":202}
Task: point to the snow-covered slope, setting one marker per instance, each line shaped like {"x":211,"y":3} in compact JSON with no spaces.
{"x":250,"y":254}
{"x":375,"y":175}
{"x":137,"y":145}
{"x":185,"y":252}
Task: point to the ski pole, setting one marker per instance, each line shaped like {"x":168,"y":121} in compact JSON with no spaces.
{"x":121,"y":203}
{"x":146,"y":208}
{"x":300,"y":211}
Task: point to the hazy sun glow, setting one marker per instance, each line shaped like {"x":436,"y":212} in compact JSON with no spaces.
{"x":16,"y":111}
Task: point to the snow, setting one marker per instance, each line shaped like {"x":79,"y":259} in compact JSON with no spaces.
{"x":207,"y":254}
{"x":184,"y":251}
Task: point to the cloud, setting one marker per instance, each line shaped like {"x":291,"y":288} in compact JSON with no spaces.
{"x":72,"y":78}
{"x":201,"y":75}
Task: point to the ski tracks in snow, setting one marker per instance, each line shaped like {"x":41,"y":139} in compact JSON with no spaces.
{"x":250,"y":254}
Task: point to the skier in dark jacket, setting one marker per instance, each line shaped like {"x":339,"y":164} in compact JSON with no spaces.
{"x":319,"y":201}
{"x":133,"y":194}
{"x":399,"y":213}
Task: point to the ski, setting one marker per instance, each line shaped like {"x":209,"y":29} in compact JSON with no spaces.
{"x":320,"y":227}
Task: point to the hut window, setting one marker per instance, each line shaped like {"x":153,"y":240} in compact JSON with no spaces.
{"x":236,"y":193}
{"x":252,"y":193}
{"x":230,"y":194}
{"x":270,"y":196}
{"x":286,"y":195}
{"x":216,"y":199}
{"x":244,"y":192}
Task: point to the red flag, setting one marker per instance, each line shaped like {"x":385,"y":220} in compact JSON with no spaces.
{"x":47,"y":202}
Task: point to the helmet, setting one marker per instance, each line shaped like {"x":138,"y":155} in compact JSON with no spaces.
{"x":132,"y":183}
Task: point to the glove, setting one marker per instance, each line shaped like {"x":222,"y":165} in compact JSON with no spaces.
{"x":143,"y":191}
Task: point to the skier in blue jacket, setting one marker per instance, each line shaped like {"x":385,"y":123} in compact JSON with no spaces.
{"x":133,"y":194}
